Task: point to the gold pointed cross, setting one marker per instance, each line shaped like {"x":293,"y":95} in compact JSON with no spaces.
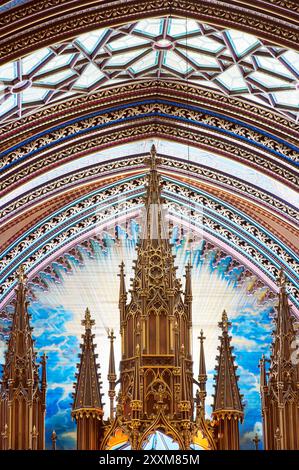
{"x":152,"y":161}
{"x":224,"y":324}
{"x":21,"y":275}
{"x":281,"y":278}
{"x":87,"y":322}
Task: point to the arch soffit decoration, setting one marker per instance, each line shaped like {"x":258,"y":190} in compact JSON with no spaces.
{"x":272,"y":20}
{"x":192,"y":124}
{"x":223,"y":225}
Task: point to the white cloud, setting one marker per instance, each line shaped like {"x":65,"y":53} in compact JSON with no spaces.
{"x":245,"y":344}
{"x":3,"y":347}
{"x":249,"y":380}
{"x":248,"y":436}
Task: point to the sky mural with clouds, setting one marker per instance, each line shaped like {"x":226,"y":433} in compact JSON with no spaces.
{"x":57,"y":313}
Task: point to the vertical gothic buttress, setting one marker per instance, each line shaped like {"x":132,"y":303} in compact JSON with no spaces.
{"x":279,"y":386}
{"x":23,"y":392}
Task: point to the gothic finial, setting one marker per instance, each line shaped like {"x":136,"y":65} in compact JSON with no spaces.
{"x":87,"y":393}
{"x":202,"y":377}
{"x":21,"y":276}
{"x":111,"y":373}
{"x":227,"y":398}
{"x":53,"y":439}
{"x":224,"y":324}
{"x":152,"y":161}
{"x":202,"y":374}
{"x":201,"y":337}
{"x":281,"y":278}
{"x":256,"y":441}
{"x":87,"y":322}
{"x":153,"y":156}
{"x":111,"y":335}
{"x":122,"y":266}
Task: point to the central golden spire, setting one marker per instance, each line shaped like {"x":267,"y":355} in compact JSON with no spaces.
{"x":156,"y":369}
{"x":156,"y":378}
{"x":154,"y":227}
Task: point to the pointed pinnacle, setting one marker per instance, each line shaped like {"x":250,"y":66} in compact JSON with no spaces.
{"x":122,"y":266}
{"x":21,"y":276}
{"x":87,"y":322}
{"x":201,"y":337}
{"x":281,"y":278}
{"x":224,"y":324}
{"x":111,"y":335}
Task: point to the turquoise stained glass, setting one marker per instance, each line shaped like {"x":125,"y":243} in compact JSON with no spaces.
{"x":230,"y":61}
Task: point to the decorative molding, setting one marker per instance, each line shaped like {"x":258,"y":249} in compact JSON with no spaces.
{"x":131,"y":131}
{"x":192,"y":116}
{"x":119,"y":167}
{"x":51,"y":21}
{"x":256,"y":115}
{"x":218,"y":219}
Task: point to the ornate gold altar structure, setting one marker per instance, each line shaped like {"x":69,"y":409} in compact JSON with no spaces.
{"x":156,"y":369}
{"x":280,"y":390}
{"x":23,"y":394}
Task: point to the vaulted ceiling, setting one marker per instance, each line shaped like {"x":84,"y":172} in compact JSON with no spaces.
{"x":83,"y":99}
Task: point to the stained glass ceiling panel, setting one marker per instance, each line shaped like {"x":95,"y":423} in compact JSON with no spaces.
{"x":242,"y":43}
{"x":230,"y":61}
{"x":89,"y":41}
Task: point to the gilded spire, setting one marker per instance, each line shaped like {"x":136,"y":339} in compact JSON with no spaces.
{"x":188,"y":283}
{"x":284,"y":333}
{"x":156,"y":382}
{"x":111,"y":373}
{"x":21,"y":344}
{"x":227,"y":398}
{"x":122,"y":292}
{"x":202,"y":376}
{"x":136,"y":389}
{"x":53,"y":439}
{"x":88,"y":387}
{"x":202,"y":380}
{"x":87,"y":321}
{"x":263,"y":374}
{"x":154,"y":266}
{"x":154,"y":225}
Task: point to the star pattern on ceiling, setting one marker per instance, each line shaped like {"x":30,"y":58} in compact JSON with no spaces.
{"x":233,"y":62}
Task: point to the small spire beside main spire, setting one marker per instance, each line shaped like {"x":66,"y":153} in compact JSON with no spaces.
{"x":87,"y":405}
{"x":111,"y":373}
{"x":227,"y":406}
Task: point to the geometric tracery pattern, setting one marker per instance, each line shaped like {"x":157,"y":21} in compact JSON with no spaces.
{"x":233,"y":62}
